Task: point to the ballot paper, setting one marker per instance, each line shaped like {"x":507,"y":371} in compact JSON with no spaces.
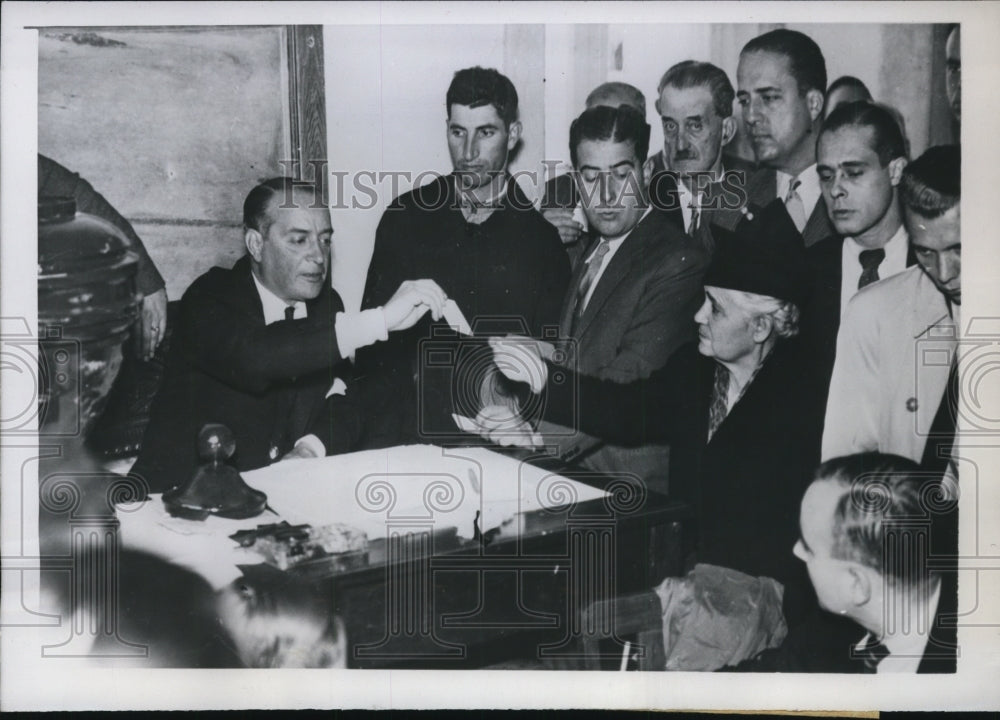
{"x":455,"y":319}
{"x":379,"y":490}
{"x":412,"y":488}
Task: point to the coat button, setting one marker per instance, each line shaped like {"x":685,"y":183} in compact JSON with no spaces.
{"x":911,"y":404}
{"x":273,"y":452}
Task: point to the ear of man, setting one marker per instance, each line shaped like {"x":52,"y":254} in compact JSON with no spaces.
{"x":814,"y":102}
{"x":254,"y":242}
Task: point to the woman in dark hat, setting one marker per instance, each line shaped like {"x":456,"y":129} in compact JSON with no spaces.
{"x":743,"y":427}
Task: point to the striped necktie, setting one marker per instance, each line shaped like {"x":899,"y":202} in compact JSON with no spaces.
{"x":793,"y":202}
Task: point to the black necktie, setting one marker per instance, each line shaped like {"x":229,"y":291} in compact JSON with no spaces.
{"x":872,"y":654}
{"x":870,"y":260}
{"x":290,"y":312}
{"x":941,"y":437}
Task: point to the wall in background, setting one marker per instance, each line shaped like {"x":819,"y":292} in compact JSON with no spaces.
{"x":172,"y":126}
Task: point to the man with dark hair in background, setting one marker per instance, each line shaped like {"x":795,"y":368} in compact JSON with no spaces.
{"x":895,"y":379}
{"x":860,"y":157}
{"x":782,"y":80}
{"x":845,"y":89}
{"x":257,"y":345}
{"x":560,"y":198}
{"x":953,"y":73}
{"x":474,"y":233}
{"x":692,"y":172}
{"x":632,"y":299}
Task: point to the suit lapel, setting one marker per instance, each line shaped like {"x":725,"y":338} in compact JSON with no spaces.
{"x":620,"y":266}
{"x":818,"y":225}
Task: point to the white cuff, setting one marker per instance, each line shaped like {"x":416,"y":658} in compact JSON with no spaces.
{"x":312,"y":443}
{"x":359,"y":329}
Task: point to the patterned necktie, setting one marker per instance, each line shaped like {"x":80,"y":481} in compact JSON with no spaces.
{"x":870,"y":260}
{"x":593,"y":267}
{"x":872,"y":654}
{"x":794,"y":204}
{"x":290,"y":312}
{"x":695,"y":218}
{"x":718,"y":408}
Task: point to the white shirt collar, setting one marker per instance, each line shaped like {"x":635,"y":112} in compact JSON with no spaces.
{"x":274,"y":306}
{"x":906,"y":650}
{"x":809,"y":190}
{"x":613,"y":245}
{"x":894,"y":262}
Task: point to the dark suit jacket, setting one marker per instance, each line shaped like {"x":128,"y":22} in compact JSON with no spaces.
{"x":820,"y":320}
{"x":225,"y":366}
{"x":747,"y":482}
{"x":642,"y":309}
{"x":823,"y":643}
{"x":762,"y":188}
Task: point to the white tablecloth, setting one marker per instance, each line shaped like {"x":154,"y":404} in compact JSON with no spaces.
{"x":376,"y":491}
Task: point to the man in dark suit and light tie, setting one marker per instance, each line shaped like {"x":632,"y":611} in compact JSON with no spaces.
{"x":632,"y":297}
{"x":781,"y":81}
{"x":860,"y":157}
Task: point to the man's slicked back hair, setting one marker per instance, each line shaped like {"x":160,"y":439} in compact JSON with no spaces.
{"x":257,"y":206}
{"x":691,"y":74}
{"x":622,"y":124}
{"x":932,"y":184}
{"x":804,"y":56}
{"x":887,"y":136}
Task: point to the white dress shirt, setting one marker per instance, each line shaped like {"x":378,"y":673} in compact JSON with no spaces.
{"x":613,"y":245}
{"x":906,"y":650}
{"x":808,"y":190}
{"x":354,"y":330}
{"x":850,"y":264}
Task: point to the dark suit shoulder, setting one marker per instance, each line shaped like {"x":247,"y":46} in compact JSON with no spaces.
{"x":826,"y":248}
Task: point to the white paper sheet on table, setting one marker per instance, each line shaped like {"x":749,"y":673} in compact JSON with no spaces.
{"x":402,"y":489}
{"x":417,"y":484}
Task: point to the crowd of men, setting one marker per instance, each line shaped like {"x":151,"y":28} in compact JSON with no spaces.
{"x":726,"y":326}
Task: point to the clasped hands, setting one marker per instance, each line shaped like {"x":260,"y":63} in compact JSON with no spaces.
{"x":520,"y":359}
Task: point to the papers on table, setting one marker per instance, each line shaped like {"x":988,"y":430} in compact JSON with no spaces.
{"x":414,"y":488}
{"x":423,"y":485}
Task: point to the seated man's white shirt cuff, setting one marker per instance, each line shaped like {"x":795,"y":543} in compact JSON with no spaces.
{"x":313,"y":443}
{"x":359,"y":329}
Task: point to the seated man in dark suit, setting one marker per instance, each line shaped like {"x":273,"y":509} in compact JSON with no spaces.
{"x":869,"y":538}
{"x":861,"y":156}
{"x":257,"y":346}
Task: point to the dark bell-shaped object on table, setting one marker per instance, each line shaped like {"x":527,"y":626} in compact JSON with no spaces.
{"x":216,"y":488}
